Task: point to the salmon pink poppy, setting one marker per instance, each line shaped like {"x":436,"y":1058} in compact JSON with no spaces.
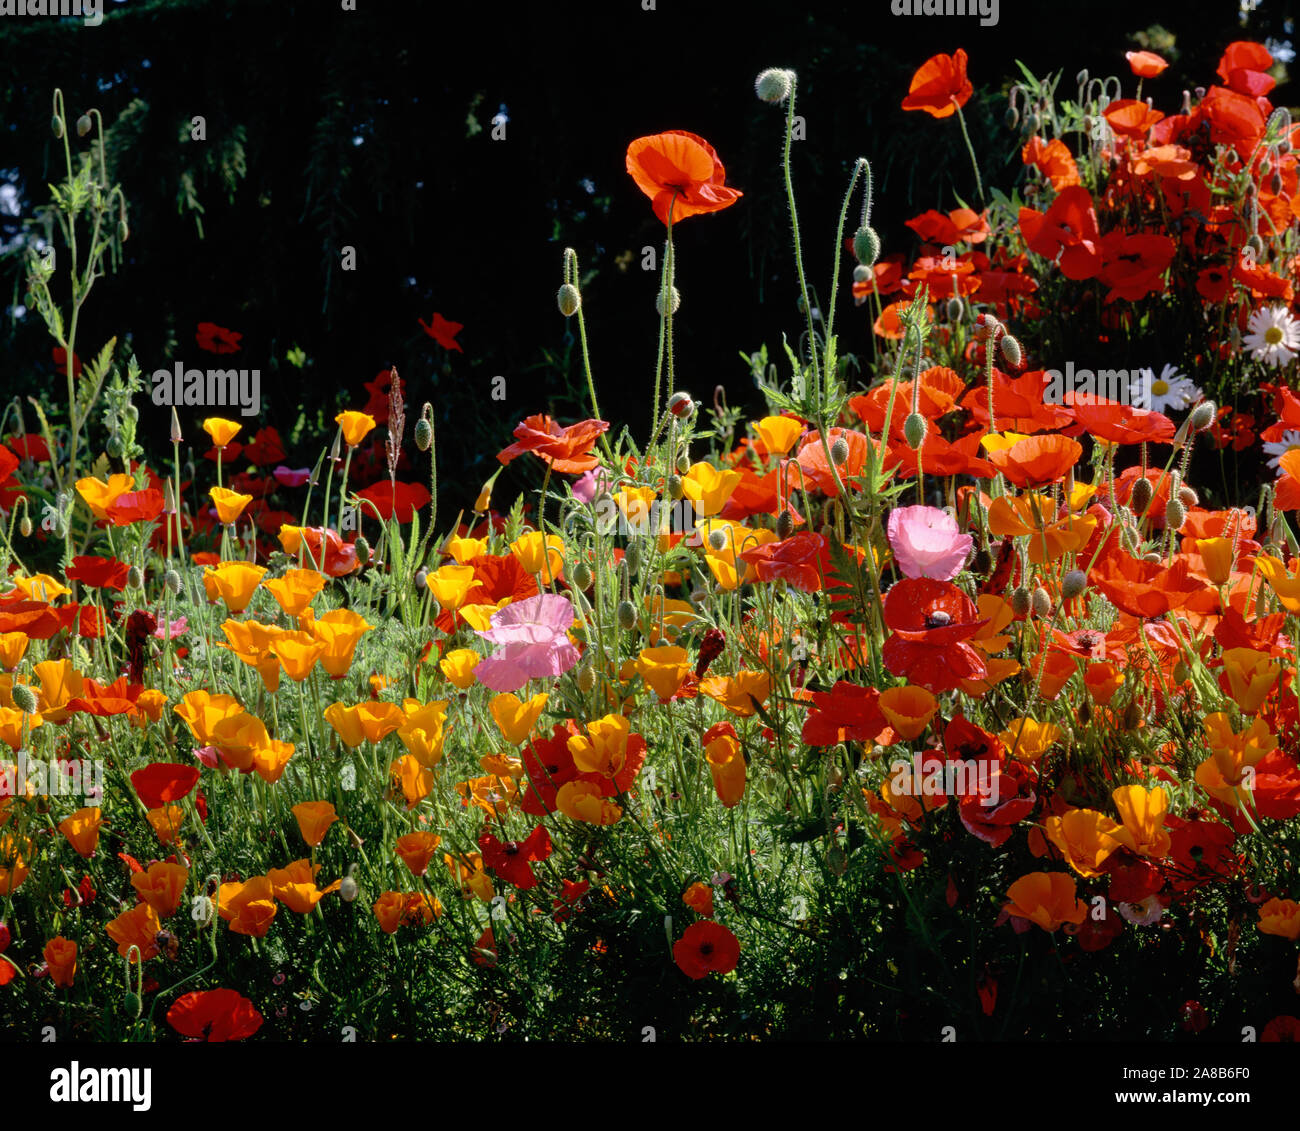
{"x":681,"y":174}
{"x":940,"y":86}
{"x":706,"y":948}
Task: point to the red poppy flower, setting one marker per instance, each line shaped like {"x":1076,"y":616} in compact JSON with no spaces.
{"x":1283,"y":1028}
{"x":339,"y":558}
{"x":395,"y":499}
{"x":99,"y":573}
{"x":217,"y":339}
{"x":443,"y":331}
{"x":940,"y":85}
{"x":1068,"y":229}
{"x":1235,"y":119}
{"x":566,"y":449}
{"x":682,"y":170}
{"x":377,"y":405}
{"x":1118,"y":423}
{"x":135,"y":506}
{"x":1134,"y":265}
{"x":937,"y":456}
{"x":35,"y":618}
{"x":162,"y":782}
{"x":706,"y":947}
{"x":1036,"y":460}
{"x":886,"y":277}
{"x":931,"y":622}
{"x":1242,"y":68}
{"x":803,"y":560}
{"x":512,"y":859}
{"x":30,"y":446}
{"x":61,"y":361}
{"x":963,"y":225}
{"x":1019,"y":403}
{"x":1142,"y":588}
{"x":549,"y":764}
{"x":1145,"y":64}
{"x":1129,"y":117}
{"x":214,"y":1015}
{"x":999,"y":802}
{"x":1053,"y":159}
{"x":845,"y":713}
{"x":265,"y":448}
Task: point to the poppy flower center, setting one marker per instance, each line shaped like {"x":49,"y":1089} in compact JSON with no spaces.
{"x":1087,"y":639}
{"x":706,"y":949}
{"x":937,"y":619}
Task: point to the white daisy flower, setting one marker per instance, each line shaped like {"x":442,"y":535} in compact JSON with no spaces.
{"x":1274,"y":336}
{"x":1278,"y":448}
{"x":1170,"y":390}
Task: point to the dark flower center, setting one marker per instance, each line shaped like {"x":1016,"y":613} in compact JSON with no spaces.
{"x":706,"y":949}
{"x":937,"y":619}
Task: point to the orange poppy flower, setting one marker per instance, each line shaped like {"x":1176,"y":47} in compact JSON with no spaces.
{"x":1047,"y":899}
{"x":566,"y":449}
{"x":699,"y":898}
{"x":1031,"y":461}
{"x":13,"y":645}
{"x":680,"y":173}
{"x":222,"y":431}
{"x":230,"y":504}
{"x":1145,"y":64}
{"x":411,"y":778}
{"x":99,"y":496}
{"x":726,"y":762}
{"x":940,"y":85}
{"x":13,"y":862}
{"x":162,"y":887}
{"x":61,"y":961}
{"x":295,"y":590}
{"x":137,"y":927}
{"x":1085,"y":837}
{"x":416,"y":850}
{"x":741,"y":694}
{"x":366,"y":722}
{"x":468,"y":873}
{"x":356,"y":426}
{"x":233,"y":582}
{"x":314,"y":820}
{"x":166,"y":822}
{"x":297,"y":653}
{"x":909,"y":709}
{"x":423,"y":730}
{"x":203,"y":711}
{"x":252,"y":643}
{"x":339,"y":630}
{"x":248,"y":907}
{"x":295,"y":886}
{"x":82,"y":830}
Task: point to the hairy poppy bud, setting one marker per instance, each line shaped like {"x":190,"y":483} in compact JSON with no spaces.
{"x":718,"y":540}
{"x":1141,"y":495}
{"x":840,"y":451}
{"x":586,"y":679}
{"x":135,"y":578}
{"x":83,"y":125}
{"x":774,"y":85}
{"x":25,"y":699}
{"x":683,"y":464}
{"x":675,"y":300}
{"x":421,"y":578}
{"x":56,"y":126}
{"x":680,"y":404}
{"x":580,"y":576}
{"x":954,"y":309}
{"x":1202,"y":416}
{"x":632,"y":556}
{"x":123,"y":232}
{"x":1033,"y":123}
{"x":132,"y":1004}
{"x":1041,"y":602}
{"x":1011,"y":119}
{"x":982,"y":561}
{"x":1010,"y":350}
{"x":1020,"y":601}
{"x":1073,"y":583}
{"x":626,"y":615}
{"x":1255,"y":245}
{"x":1182,"y":673}
{"x":1279,"y":122}
{"x":568,"y":298}
{"x":423,"y":434}
{"x":674,"y":487}
{"x":986,"y":325}
{"x":348,"y":889}
{"x":1175,"y":515}
{"x":25,"y":527}
{"x":1188,"y":496}
{"x":861,"y":273}
{"x":866,"y":245}
{"x":363,"y":550}
{"x":914,"y":429}
{"x":1132,"y":715}
{"x":1275,"y":183}
{"x":784,"y":525}
{"x":172,"y":581}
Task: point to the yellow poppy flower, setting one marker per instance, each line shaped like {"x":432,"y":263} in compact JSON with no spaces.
{"x":99,"y":496}
{"x":514,"y":719}
{"x":221,"y":430}
{"x":233,"y":583}
{"x":230,"y":504}
{"x":356,"y":426}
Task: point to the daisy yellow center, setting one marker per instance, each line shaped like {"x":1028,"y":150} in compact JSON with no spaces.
{"x":1273,"y":335}
{"x":1160,"y":388}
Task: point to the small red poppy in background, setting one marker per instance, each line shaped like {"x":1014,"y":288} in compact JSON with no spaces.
{"x":1145,"y":64}
{"x":680,"y":169}
{"x":265,"y":448}
{"x":61,"y":361}
{"x":443,"y":331}
{"x":802,"y":560}
{"x":135,"y":506}
{"x":162,"y":782}
{"x":99,"y":573}
{"x":940,"y":86}
{"x":217,"y":339}
{"x":706,"y":948}
{"x":389,"y":499}
{"x":377,"y":405}
{"x":214,"y":1015}
{"x":512,"y":859}
{"x":30,"y":446}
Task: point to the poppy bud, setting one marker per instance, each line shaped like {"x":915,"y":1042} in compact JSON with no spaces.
{"x":1202,"y":416}
{"x":866,"y":245}
{"x":132,"y":1004}
{"x":985,"y":327}
{"x":680,"y":404}
{"x":1255,"y":245}
{"x":25,"y":698}
{"x":1275,"y":183}
{"x":955,"y":309}
{"x":421,"y":578}
{"x":25,"y":527}
{"x":1011,"y":118}
{"x":784,"y":525}
{"x":632,"y":556}
{"x":484,"y":499}
{"x":1083,"y":713}
{"x":718,"y":540}
{"x":982,"y":561}
{"x":1088,"y":122}
{"x":1175,"y":515}
{"x":683,"y":463}
{"x":626,"y":616}
{"x":172,"y":581}
{"x":840,"y":451}
{"x":1132,"y":715}
{"x":674,"y":487}
{"x":135,"y":578}
{"x":363,"y":550}
{"x":1181,"y":672}
{"x":1020,"y":601}
{"x":675,"y":301}
{"x":861,"y":273}
{"x":123,"y":232}
{"x":1141,"y":495}
{"x":774,"y":85}
{"x":1010,"y":350}
{"x":569,"y":299}
{"x":1279,"y":122}
{"x":348,"y":889}
{"x":423,"y":434}
{"x":1034,"y":123}
{"x":1188,"y":496}
{"x":586,"y":679}
{"x":56,"y":125}
{"x":580,"y":576}
{"x":1041,"y":602}
{"x":1073,"y":583}
{"x":914,"y":429}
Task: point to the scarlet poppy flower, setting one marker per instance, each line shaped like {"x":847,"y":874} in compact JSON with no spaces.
{"x":706,"y":947}
{"x":60,"y":356}
{"x":1133,"y":266}
{"x":1068,"y":229}
{"x":1234,"y":118}
{"x":217,"y":339}
{"x":1145,"y":64}
{"x":214,"y":1015}
{"x":443,"y":331}
{"x":940,"y":85}
{"x":1118,"y":423}
{"x":99,"y":573}
{"x":1142,"y":588}
{"x":30,"y":446}
{"x":681,"y":174}
{"x":339,"y":558}
{"x":8,"y":464}
{"x":1053,"y":159}
{"x":265,"y":448}
{"x":135,"y":506}
{"x":379,"y":390}
{"x":35,"y":618}
{"x":1129,"y":117}
{"x":400,"y":500}
{"x":1033,"y":461}
{"x":886,"y":277}
{"x":931,"y":622}
{"x":567,"y":449}
{"x":549,"y":765}
{"x":163,"y":782}
{"x":962,"y":225}
{"x":1018,"y":402}
{"x":802,"y":560}
{"x":845,"y":713}
{"x":512,"y":860}
{"x":938,"y":456}
{"x":1242,"y":67}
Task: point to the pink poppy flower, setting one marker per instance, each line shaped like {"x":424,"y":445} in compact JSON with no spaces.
{"x":291,"y":477}
{"x":532,"y":635}
{"x":927,"y":543}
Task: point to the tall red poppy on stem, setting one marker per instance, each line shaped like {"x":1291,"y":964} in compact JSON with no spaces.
{"x":706,"y":947}
{"x":940,"y":85}
{"x":931,"y":622}
{"x":682,"y":169}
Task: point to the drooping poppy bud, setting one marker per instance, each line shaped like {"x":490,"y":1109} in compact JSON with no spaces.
{"x":914,"y":429}
{"x":569,"y":299}
{"x":774,"y":85}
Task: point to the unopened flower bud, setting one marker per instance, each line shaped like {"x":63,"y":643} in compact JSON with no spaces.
{"x":784,"y":525}
{"x":569,"y":298}
{"x":866,"y":245}
{"x":25,"y":526}
{"x":123,"y":232}
{"x":484,"y":499}
{"x":680,"y":404}
{"x":862,"y":273}
{"x":1175,"y":515}
{"x":586,"y":679}
{"x":986,"y":325}
{"x":1132,"y":715}
{"x":1188,"y":496}
{"x":423,"y":434}
{"x":840,"y":451}
{"x":56,"y":126}
{"x":25,"y":698}
{"x":348,"y":889}
{"x":626,"y":616}
{"x":674,"y":487}
{"x":914,"y":429}
{"x":955,"y":309}
{"x":421,"y":578}
{"x":1141,"y":495}
{"x":982,"y":561}
{"x":674,"y":302}
{"x":83,"y":125}
{"x":1011,"y":118}
{"x":1202,"y":416}
{"x":176,"y":436}
{"x":363,"y":550}
{"x":1182,"y":673}
{"x":718,"y":540}
{"x":1010,"y":350}
{"x":1041,"y":602}
{"x":774,"y":85}
{"x":1020,"y":601}
{"x":135,"y":578}
{"x":580,"y":576}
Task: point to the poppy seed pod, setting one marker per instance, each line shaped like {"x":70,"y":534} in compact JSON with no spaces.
{"x":580,"y":576}
{"x":83,"y":125}
{"x":674,"y":302}
{"x":1202,"y":416}
{"x":774,"y":85}
{"x":866,"y":245}
{"x":914,"y":428}
{"x":1141,"y":495}
{"x":569,"y":299}
{"x":1073,"y":584}
{"x":1041,"y":602}
{"x":626,"y":616}
{"x":840,"y":451}
{"x":1175,"y":515}
{"x":423,"y":434}
{"x":25,"y":699}
{"x":1010,"y":350}
{"x":784,"y":525}
{"x":1020,"y":601}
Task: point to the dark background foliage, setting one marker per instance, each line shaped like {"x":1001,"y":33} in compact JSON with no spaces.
{"x":328,"y":128}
